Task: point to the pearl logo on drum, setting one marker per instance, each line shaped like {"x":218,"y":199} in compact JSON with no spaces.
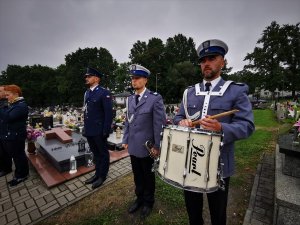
{"x":195,"y":153}
{"x":177,"y":148}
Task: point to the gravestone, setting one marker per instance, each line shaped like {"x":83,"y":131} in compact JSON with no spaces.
{"x":280,"y":111}
{"x":287,"y":179}
{"x":46,"y":122}
{"x":291,"y":155}
{"x":59,"y":153}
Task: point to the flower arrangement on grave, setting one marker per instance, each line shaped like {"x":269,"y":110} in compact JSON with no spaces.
{"x":71,"y":124}
{"x":47,"y":113}
{"x":58,"y":117}
{"x":297,"y":131}
{"x":119,"y":119}
{"x":33,"y":133}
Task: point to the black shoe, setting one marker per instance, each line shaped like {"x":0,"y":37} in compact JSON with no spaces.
{"x":97,"y":183}
{"x":3,"y":173}
{"x":136,"y":205}
{"x":91,"y":179}
{"x":15,"y":181}
{"x":146,"y":210}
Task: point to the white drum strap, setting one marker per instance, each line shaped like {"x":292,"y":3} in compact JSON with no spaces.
{"x":213,"y":93}
{"x":206,"y":99}
{"x":184,"y":102}
{"x":205,"y":104}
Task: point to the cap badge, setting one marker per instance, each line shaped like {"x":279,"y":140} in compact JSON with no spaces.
{"x":206,"y":44}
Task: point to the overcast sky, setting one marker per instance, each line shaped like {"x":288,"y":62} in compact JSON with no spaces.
{"x":44,"y":31}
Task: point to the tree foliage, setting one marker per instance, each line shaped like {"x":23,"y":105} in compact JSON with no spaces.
{"x":273,"y":64}
{"x":276,"y":59}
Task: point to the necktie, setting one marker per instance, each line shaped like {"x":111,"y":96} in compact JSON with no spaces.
{"x":137,"y":99}
{"x":207,"y":86}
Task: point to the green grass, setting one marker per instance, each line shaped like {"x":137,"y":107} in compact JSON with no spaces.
{"x":248,"y":151}
{"x":169,"y":207}
{"x":264,"y":118}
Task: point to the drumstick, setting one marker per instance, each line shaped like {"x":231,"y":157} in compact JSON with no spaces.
{"x":197,"y":122}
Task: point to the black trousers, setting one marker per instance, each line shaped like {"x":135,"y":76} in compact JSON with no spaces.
{"x":217,"y":202}
{"x":16,"y":150}
{"x":144,"y":180}
{"x":5,"y":159}
{"x":98,"y":146}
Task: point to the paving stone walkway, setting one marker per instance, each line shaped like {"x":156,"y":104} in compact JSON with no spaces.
{"x":31,"y":201}
{"x":261,"y":203}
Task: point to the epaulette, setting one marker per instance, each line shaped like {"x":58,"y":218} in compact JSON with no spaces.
{"x":153,"y":93}
{"x":240,"y":84}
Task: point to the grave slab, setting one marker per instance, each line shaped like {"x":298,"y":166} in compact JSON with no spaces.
{"x":52,"y":177}
{"x":59,"y":153}
{"x":291,"y":155}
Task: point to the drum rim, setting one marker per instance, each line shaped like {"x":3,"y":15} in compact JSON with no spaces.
{"x":192,"y":130}
{"x":187,"y":188}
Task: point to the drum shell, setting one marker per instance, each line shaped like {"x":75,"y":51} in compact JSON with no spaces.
{"x":189,"y":158}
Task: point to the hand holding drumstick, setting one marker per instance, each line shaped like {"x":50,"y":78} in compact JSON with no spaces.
{"x":209,"y":122}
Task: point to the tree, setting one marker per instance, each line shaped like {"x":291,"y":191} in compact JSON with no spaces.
{"x":291,"y":57}
{"x":38,"y":83}
{"x":276,"y":60}
{"x":76,"y":64}
{"x":179,"y":77}
{"x":180,"y":49}
{"x":160,"y":60}
{"x":247,"y":77}
{"x":122,"y":79}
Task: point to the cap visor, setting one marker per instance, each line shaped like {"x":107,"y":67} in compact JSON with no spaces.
{"x":209,"y":54}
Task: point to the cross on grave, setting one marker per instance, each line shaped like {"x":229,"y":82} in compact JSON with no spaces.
{"x":62,"y":134}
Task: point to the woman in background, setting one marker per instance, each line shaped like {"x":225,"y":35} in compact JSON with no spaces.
{"x":14,"y":132}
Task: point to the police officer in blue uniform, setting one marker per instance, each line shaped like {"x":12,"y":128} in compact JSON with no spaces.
{"x":144,"y":121}
{"x":97,"y":124}
{"x":213,"y":96}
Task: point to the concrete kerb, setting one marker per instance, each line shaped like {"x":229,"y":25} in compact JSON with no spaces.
{"x":249,"y":211}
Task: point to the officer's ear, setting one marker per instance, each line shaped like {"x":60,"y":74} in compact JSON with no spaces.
{"x":224,"y":63}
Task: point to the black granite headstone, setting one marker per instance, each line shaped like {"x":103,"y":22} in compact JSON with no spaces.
{"x":46,"y":122}
{"x":287,"y":145}
{"x":59,"y":154}
{"x":291,"y":151}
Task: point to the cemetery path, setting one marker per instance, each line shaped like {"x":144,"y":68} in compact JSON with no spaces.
{"x":31,"y":201}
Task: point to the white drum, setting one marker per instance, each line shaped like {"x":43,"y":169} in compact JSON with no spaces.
{"x":189,"y":158}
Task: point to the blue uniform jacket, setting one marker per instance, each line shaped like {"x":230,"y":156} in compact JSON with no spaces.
{"x":148,"y":118}
{"x":98,"y":112}
{"x":13,"y":121}
{"x":235,"y":127}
